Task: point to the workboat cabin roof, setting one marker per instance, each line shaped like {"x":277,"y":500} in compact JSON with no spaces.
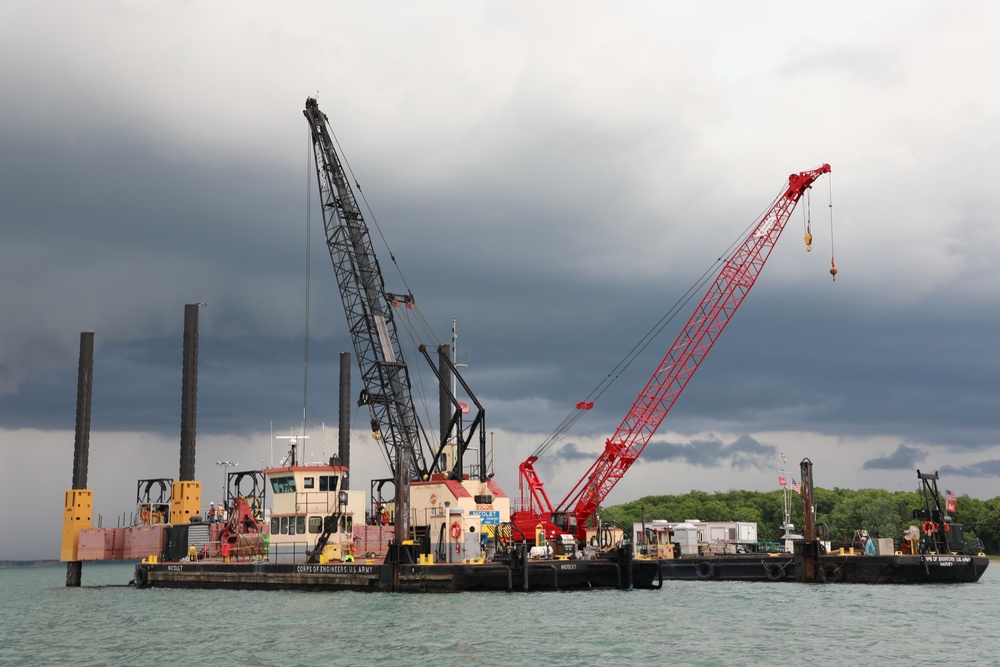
{"x":305,"y":478}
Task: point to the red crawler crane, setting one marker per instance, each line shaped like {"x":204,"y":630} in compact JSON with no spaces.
{"x":661,"y":392}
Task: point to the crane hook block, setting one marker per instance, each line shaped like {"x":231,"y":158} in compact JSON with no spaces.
{"x":809,"y":242}
{"x":833,"y":270}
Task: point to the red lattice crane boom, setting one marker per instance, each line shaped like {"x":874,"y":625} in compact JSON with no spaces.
{"x":710,"y":317}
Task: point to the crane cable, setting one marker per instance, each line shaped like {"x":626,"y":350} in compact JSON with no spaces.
{"x":372,"y":217}
{"x":310,"y":164}
{"x":807,"y":223}
{"x":417,"y":327}
{"x":310,"y":157}
{"x":829,"y":200}
{"x":583,"y":406}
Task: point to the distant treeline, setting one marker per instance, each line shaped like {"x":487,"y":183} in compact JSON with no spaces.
{"x":881,"y":513}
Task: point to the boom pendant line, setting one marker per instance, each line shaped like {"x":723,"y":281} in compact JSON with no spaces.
{"x":710,"y":317}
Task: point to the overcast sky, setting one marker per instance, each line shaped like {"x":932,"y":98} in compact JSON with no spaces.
{"x":554,"y":176}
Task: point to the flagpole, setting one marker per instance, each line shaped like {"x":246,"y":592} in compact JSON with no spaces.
{"x":786,"y":501}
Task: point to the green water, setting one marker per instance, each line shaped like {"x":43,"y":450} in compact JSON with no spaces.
{"x":687,"y":623}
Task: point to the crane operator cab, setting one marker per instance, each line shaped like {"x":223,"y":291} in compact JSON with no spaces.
{"x":561,"y":520}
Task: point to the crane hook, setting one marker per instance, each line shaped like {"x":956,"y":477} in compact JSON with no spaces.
{"x":833,"y":270}
{"x":809,"y":242}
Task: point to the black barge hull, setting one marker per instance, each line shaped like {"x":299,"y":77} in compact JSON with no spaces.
{"x":554,"y":575}
{"x":887,"y":569}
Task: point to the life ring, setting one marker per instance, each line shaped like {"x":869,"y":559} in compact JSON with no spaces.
{"x":456,"y":530}
{"x":774,"y":571}
{"x":831,"y":574}
{"x":929,"y":527}
{"x":704,"y":570}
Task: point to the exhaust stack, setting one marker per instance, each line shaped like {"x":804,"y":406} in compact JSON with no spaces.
{"x":447,"y":463}
{"x":344,"y":418}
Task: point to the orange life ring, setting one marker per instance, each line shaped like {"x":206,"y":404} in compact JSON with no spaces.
{"x":929,"y":527}
{"x":456,"y":530}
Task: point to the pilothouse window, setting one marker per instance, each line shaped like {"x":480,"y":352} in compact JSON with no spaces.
{"x":328,"y":483}
{"x":283,"y":484}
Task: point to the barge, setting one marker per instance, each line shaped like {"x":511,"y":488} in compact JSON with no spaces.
{"x":390,"y":575}
{"x":933,"y":551}
{"x":318,"y":536}
{"x":830,"y":568}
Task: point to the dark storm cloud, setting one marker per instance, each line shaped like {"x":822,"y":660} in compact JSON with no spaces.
{"x":740,"y":454}
{"x":789,"y":359}
{"x":571,"y":452}
{"x":841,"y":369}
{"x":244,"y":384}
{"x":983,"y":469}
{"x":904,"y":458}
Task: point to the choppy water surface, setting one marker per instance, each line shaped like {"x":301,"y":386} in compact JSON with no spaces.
{"x":687,"y":623}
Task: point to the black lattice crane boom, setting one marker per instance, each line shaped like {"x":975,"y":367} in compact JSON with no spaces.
{"x":369,"y":308}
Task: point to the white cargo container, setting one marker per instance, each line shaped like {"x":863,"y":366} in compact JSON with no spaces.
{"x":693,"y":535}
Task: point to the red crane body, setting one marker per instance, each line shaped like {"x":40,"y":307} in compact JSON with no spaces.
{"x":648,"y":411}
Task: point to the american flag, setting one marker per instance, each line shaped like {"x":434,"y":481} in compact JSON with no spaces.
{"x":951,"y":502}
{"x":796,"y":487}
